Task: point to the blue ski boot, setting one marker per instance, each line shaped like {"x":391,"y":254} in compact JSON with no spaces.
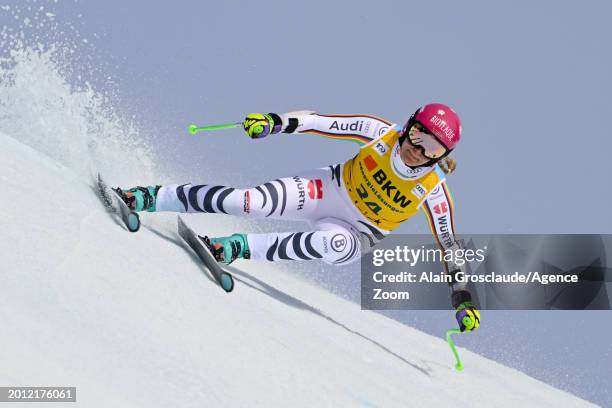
{"x":228,"y":249}
{"x":139,"y":198}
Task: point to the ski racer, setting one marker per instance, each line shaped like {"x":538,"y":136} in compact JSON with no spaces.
{"x":351,"y":205}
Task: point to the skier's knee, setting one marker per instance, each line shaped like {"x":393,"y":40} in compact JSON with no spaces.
{"x":340,"y":246}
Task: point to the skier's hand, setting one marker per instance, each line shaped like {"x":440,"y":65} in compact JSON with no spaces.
{"x":258,"y":125}
{"x":467,"y":316}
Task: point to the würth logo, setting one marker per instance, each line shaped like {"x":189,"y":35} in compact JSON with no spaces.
{"x":315,"y":189}
{"x":441,"y":208}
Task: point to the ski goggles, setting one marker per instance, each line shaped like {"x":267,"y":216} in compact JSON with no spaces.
{"x":418,"y":136}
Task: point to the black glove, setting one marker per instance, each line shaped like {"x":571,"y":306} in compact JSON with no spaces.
{"x":467,"y":315}
{"x":258,"y":125}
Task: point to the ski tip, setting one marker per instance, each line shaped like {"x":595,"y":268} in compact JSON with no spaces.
{"x":133,"y":222}
{"x":227,"y":282}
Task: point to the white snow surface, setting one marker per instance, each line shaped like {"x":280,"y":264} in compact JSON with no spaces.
{"x":134,"y":320}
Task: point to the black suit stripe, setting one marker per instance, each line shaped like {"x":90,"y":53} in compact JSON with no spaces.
{"x":271,"y":250}
{"x":335,"y":173}
{"x":311,"y":251}
{"x":265,"y":197}
{"x":180,"y":193}
{"x":208,"y":198}
{"x":193,"y":197}
{"x":377,"y":234}
{"x":282,"y":248}
{"x":273,"y":197}
{"x":297,"y":248}
{"x":284,"y":202}
{"x":222,"y":197}
{"x":369,"y":237}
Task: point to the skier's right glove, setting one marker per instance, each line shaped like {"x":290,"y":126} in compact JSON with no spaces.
{"x":258,"y":125}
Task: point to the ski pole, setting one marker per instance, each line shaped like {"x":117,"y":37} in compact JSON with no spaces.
{"x":193,"y":129}
{"x":449,"y":333}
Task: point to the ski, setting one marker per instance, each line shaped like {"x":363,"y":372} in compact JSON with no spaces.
{"x":224,"y":279}
{"x":114,"y":201}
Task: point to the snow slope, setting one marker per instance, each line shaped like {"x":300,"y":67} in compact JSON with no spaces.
{"x":132,"y":320}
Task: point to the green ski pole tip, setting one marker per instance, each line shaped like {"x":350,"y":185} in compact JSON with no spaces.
{"x":459,"y":366}
{"x":193,"y":129}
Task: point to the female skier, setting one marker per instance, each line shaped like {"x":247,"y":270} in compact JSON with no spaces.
{"x":351,"y":206}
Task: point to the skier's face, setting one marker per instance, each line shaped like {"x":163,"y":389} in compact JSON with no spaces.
{"x":413,"y":155}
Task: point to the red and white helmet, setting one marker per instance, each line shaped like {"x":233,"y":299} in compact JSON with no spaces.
{"x":440,"y":120}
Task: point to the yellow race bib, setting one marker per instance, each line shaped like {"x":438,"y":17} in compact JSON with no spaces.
{"x":378,"y":190}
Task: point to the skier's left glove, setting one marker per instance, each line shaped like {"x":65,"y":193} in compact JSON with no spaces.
{"x":258,"y":125}
{"x":467,"y":316}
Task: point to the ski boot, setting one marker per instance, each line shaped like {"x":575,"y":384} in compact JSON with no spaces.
{"x":139,"y":198}
{"x":228,"y":249}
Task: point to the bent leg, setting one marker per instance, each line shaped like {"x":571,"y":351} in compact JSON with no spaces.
{"x":331,"y":241}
